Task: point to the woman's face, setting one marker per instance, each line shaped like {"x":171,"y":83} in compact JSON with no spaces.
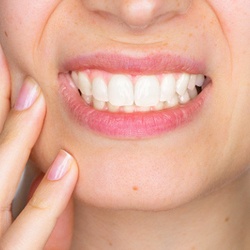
{"x":139,"y":141}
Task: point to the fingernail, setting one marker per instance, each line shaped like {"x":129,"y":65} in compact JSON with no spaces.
{"x":27,"y":95}
{"x":60,"y":166}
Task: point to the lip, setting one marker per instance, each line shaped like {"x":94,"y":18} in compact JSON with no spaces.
{"x":129,"y":125}
{"x":145,"y":64}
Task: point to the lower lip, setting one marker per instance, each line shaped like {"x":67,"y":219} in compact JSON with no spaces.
{"x":124,"y":125}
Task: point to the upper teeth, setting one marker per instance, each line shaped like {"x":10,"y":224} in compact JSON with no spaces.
{"x":136,"y":93}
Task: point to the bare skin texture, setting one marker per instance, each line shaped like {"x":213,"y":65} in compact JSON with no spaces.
{"x":186,"y":189}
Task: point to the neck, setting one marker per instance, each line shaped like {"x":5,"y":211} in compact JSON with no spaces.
{"x":218,"y":221}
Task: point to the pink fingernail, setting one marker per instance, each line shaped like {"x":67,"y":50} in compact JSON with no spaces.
{"x":27,"y":95}
{"x":60,"y":166}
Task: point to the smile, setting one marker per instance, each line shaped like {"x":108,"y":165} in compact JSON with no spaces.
{"x":143,"y":93}
{"x":121,"y":99}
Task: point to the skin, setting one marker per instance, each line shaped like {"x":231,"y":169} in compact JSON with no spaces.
{"x":208,"y":159}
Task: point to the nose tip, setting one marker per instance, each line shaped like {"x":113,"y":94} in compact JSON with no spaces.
{"x":143,"y":13}
{"x":138,"y":13}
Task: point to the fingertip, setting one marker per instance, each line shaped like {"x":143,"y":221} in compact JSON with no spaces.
{"x":60,"y":166}
{"x":28,"y":94}
{"x":58,"y":183}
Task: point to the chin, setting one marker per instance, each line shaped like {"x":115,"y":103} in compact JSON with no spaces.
{"x":148,"y":188}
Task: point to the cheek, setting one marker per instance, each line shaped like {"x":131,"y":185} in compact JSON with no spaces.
{"x":22,"y":24}
{"x":233,"y":16}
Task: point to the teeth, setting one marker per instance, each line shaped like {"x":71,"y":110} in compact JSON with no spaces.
{"x":147,"y":91}
{"x":99,"y":105}
{"x":120,"y":91}
{"x":100,"y":89}
{"x":88,"y":99}
{"x":168,"y":87}
{"x":75,"y":78}
{"x":200,"y":80}
{"x":174,"y":101}
{"x":182,"y":84}
{"x":124,"y":93}
{"x":113,"y":108}
{"x":192,"y":81}
{"x":184,"y":98}
{"x":192,"y":93}
{"x":159,"y":106}
{"x":142,"y":108}
{"x":84,"y":84}
{"x":129,"y":109}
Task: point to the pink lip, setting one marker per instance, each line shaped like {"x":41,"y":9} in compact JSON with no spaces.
{"x":151,"y":64}
{"x":135,"y":125}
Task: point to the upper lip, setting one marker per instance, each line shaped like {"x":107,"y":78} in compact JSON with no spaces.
{"x":146,"y":64}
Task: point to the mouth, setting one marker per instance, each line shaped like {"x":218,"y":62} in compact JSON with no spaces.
{"x":129,"y":94}
{"x":127,"y":104}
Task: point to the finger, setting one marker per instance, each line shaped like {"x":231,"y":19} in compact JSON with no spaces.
{"x":17,"y":138}
{"x":36,"y":222}
{"x":35,"y":184}
{"x":5,"y":89}
{"x":61,"y":236}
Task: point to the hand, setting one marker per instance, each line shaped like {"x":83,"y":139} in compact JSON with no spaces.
{"x":19,"y":130}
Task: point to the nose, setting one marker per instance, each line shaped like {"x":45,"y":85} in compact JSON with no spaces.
{"x":139,"y":13}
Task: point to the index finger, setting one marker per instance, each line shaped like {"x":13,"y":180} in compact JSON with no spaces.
{"x":4,"y":89}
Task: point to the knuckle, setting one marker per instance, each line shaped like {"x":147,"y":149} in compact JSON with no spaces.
{"x":9,"y":133}
{"x":38,"y":203}
{"x":5,"y":209}
{"x":14,"y":131}
{"x":5,"y":218}
{"x":7,"y":137}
